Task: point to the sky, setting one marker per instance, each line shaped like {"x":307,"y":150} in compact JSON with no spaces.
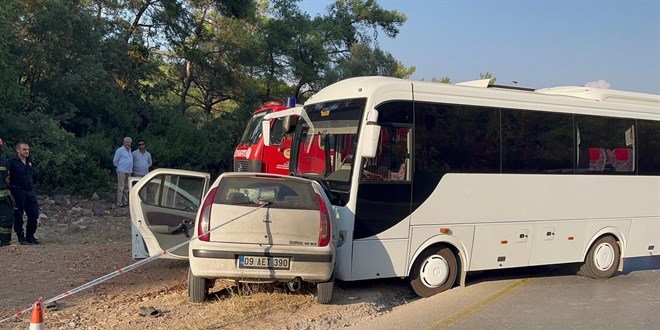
{"x":535,"y":43}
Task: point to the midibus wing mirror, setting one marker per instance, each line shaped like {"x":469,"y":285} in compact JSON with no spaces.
{"x":370,"y":144}
{"x":371,"y":135}
{"x":265,"y":132}
{"x":289,"y":124}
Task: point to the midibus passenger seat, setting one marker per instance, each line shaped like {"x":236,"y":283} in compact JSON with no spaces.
{"x":597,"y":159}
{"x":399,"y":175}
{"x":621,"y":159}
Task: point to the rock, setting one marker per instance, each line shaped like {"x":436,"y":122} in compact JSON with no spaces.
{"x":123,"y":211}
{"x":42,"y":220}
{"x":95,"y":197}
{"x":87,"y":213}
{"x":77,"y":226}
{"x":74,"y":228}
{"x":98,"y":208}
{"x":62,"y":200}
{"x":80,"y":221}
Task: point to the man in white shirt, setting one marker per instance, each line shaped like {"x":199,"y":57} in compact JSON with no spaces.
{"x":141,"y":160}
{"x":123,"y":161}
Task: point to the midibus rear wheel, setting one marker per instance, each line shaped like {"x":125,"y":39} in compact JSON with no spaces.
{"x":603,"y":258}
{"x":434,"y":271}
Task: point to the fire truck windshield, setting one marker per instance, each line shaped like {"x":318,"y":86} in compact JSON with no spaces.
{"x":252,"y":132}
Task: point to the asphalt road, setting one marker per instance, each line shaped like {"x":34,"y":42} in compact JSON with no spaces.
{"x":538,"y":298}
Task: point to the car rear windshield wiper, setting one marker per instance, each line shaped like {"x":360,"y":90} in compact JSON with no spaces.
{"x":242,"y":203}
{"x":254,"y":202}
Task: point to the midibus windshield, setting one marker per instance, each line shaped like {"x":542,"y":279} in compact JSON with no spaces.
{"x":325,"y":149}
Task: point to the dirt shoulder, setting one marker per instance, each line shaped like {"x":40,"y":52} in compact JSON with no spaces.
{"x":85,"y":239}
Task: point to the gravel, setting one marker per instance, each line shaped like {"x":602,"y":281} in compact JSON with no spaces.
{"x":84,"y":239}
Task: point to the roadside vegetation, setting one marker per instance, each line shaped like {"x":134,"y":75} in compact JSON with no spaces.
{"x":76,"y":76}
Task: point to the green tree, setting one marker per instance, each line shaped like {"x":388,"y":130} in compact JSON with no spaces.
{"x":313,"y":48}
{"x":488,"y":75}
{"x":76,"y":76}
{"x":367,"y":61}
{"x":444,"y":80}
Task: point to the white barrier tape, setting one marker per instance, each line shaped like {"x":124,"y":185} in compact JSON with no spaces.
{"x":122,"y":270}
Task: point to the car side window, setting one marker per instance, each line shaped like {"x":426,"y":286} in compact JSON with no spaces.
{"x":173,"y":191}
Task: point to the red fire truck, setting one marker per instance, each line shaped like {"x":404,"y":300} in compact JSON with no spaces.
{"x":252,"y":156}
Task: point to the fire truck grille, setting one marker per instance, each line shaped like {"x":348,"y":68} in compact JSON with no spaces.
{"x":241,"y":166}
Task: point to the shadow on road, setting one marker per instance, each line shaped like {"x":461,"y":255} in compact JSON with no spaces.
{"x":630,"y":265}
{"x":642,"y":263}
{"x":391,"y":292}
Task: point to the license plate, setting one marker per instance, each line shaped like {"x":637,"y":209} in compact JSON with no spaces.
{"x":263,"y":262}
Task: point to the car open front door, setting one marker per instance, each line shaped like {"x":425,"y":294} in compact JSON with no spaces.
{"x":138,"y":249}
{"x":164,"y":207}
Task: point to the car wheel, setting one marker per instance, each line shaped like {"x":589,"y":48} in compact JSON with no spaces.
{"x":434,"y":271}
{"x":198,"y":288}
{"x":323,"y":293}
{"x":603,"y":258}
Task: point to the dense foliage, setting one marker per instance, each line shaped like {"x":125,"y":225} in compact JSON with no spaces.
{"x":76,"y":76}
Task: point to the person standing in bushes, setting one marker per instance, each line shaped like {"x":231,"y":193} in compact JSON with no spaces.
{"x":123,"y":161}
{"x":21,"y":182}
{"x":141,"y":165}
{"x":6,"y":202}
{"x":141,"y":160}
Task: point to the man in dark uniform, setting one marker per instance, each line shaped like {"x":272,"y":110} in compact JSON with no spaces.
{"x":6,"y":204}
{"x":21,"y":173}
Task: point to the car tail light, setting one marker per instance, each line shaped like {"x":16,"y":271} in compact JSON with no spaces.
{"x":324,"y":225}
{"x":204,"y":221}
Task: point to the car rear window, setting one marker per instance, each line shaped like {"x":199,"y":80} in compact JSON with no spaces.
{"x":280,"y":192}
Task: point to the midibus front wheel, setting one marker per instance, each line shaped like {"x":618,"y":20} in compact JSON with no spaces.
{"x":434,"y":271}
{"x":602,"y":259}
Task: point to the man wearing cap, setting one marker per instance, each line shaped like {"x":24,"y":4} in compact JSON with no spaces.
{"x":6,"y":202}
{"x":21,"y":182}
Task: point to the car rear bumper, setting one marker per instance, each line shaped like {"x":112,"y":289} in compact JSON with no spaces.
{"x":313,"y":266}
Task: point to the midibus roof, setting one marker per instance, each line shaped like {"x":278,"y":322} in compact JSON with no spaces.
{"x":479,"y":92}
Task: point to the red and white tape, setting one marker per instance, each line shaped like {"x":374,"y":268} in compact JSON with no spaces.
{"x":120,"y":271}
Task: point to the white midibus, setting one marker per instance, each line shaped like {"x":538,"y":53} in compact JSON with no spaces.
{"x":431,"y":181}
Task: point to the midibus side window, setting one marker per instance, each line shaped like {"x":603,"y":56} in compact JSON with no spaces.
{"x":648,"y":147}
{"x":605,"y":144}
{"x":393,"y":157}
{"x":392,"y":160}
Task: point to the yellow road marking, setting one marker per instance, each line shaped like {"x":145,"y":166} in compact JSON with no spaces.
{"x":464,"y":313}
